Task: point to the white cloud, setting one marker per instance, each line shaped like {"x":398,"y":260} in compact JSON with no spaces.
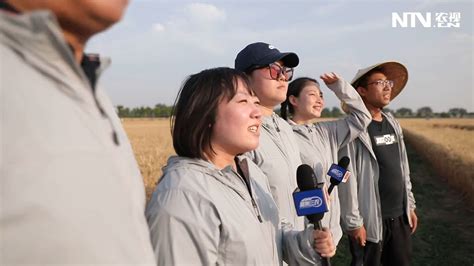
{"x":196,"y":27}
{"x":187,"y":38}
{"x":195,"y":17}
{"x":158,"y":27}
{"x":205,"y":13}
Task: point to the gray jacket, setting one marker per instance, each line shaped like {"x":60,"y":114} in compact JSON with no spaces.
{"x":71,"y":194}
{"x":319,"y":144}
{"x":200,"y":215}
{"x":359,"y":197}
{"x":278,"y":156}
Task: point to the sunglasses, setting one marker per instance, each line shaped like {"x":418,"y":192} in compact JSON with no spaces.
{"x":276,"y":71}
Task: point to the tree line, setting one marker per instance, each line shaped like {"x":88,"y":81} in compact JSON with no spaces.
{"x":163,"y":110}
{"x":160,"y":110}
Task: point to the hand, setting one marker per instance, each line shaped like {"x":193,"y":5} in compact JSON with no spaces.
{"x":323,"y":243}
{"x":330,"y":78}
{"x":359,"y":235}
{"x":414,"y":221}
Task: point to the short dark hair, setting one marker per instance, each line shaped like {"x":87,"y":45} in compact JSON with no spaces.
{"x":294,"y":89}
{"x":195,"y":109}
{"x":362,"y":81}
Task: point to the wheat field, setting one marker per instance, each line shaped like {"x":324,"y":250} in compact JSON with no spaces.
{"x":447,"y":143}
{"x":152,"y":145}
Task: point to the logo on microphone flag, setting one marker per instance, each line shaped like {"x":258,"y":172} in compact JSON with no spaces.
{"x":338,"y":173}
{"x":310,"y":202}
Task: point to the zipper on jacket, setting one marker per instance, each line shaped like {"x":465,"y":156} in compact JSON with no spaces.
{"x":90,"y":66}
{"x":275,"y":123}
{"x":277,"y":139}
{"x":115,"y":138}
{"x":256,"y":210}
{"x":240,"y":173}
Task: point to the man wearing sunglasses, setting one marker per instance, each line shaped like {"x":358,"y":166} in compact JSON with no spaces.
{"x":377,"y":204}
{"x":278,"y":155}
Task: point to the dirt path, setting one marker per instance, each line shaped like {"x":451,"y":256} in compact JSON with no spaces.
{"x":445,"y":234}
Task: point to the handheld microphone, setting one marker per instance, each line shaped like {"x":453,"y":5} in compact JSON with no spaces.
{"x":338,"y":173}
{"x":310,"y":200}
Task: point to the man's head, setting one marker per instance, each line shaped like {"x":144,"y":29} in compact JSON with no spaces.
{"x":81,"y":18}
{"x":269,"y":71}
{"x":379,"y":84}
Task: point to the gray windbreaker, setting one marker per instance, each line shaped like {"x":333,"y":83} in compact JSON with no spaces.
{"x":278,"y":156}
{"x":359,"y":197}
{"x":200,"y":215}
{"x":319,"y":144}
{"x":72,"y":192}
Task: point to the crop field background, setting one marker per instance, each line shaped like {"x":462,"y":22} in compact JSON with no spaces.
{"x":448,"y":145}
{"x":152,"y":145}
{"x":441,"y":154}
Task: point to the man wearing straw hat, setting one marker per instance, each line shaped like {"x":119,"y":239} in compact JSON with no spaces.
{"x":377,"y":205}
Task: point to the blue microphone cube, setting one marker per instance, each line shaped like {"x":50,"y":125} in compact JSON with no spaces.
{"x":337,"y":172}
{"x":310,"y":202}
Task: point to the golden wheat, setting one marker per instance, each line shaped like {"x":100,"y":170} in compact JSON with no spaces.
{"x":456,"y":135}
{"x":448,"y":144}
{"x":152,"y":145}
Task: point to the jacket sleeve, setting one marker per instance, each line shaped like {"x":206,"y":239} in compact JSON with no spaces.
{"x":345,"y":130}
{"x":348,"y":193}
{"x":411,"y":197}
{"x":406,"y":168}
{"x":298,"y":245}
{"x":184,"y":228}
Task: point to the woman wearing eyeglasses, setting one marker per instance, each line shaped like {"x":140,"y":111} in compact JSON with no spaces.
{"x":319,"y":142}
{"x":213,"y":206}
{"x":277,"y":155}
{"x":269,"y":71}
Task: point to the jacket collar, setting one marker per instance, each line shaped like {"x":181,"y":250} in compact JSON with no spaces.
{"x":226,"y":176}
{"x":302,"y":130}
{"x":37,"y":37}
{"x":268,"y":121}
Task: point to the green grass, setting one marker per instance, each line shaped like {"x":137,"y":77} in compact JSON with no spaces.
{"x":445,"y":231}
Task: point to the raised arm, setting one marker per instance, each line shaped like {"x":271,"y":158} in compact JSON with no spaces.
{"x":345,"y":130}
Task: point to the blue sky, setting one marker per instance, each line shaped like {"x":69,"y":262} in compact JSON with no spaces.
{"x":159,"y":43}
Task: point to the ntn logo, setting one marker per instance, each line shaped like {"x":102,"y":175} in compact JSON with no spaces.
{"x":412,"y":18}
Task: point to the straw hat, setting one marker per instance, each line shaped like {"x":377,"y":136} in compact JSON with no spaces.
{"x":392,"y":70}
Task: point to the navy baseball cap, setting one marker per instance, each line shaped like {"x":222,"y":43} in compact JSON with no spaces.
{"x":261,"y":54}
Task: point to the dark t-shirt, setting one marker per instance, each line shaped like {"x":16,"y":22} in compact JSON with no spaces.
{"x":391,"y":185}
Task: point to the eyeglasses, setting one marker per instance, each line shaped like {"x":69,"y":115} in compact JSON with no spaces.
{"x":382,"y":83}
{"x":277,"y":70}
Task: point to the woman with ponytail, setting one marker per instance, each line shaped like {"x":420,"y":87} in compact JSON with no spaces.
{"x":320,"y":142}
